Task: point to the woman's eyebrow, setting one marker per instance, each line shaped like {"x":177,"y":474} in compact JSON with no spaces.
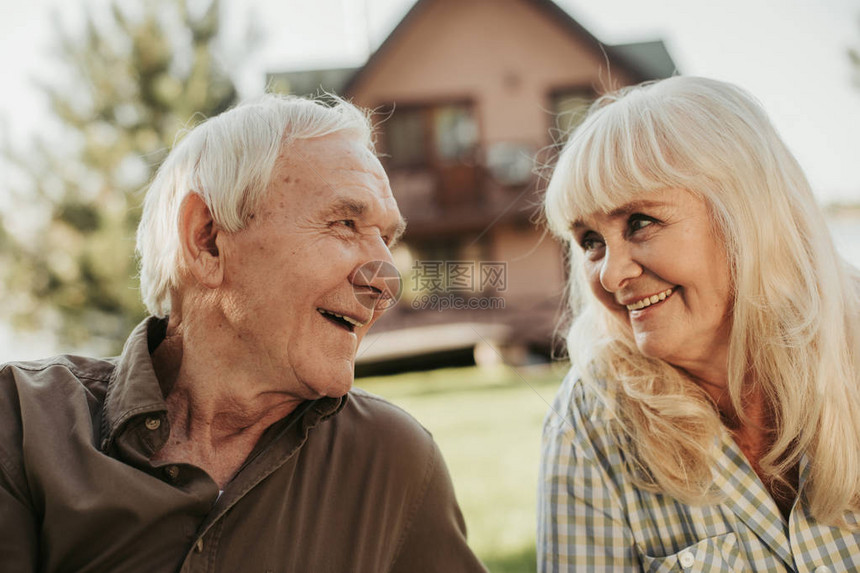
{"x":633,"y":206}
{"x":623,"y":211}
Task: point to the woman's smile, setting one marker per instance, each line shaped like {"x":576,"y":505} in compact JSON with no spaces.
{"x":650,"y":300}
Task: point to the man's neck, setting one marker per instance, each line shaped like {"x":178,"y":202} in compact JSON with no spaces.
{"x":217,"y":409}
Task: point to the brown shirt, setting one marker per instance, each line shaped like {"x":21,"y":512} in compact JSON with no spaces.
{"x":341,"y":485}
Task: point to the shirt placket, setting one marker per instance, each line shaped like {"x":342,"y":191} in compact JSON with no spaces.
{"x":750,"y":501}
{"x":201,"y":557}
{"x":820,"y":548}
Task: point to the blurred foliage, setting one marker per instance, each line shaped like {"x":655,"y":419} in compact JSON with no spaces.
{"x":854,"y":55}
{"x":131,"y":78}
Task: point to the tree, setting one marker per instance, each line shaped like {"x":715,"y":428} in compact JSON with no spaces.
{"x":135,"y":80}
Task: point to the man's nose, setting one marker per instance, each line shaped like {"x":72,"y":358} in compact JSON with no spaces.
{"x":618,"y":267}
{"x":376,"y":281}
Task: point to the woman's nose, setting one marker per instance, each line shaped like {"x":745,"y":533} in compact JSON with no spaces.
{"x":618,"y":267}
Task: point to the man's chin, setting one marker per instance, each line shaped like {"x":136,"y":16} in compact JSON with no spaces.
{"x":331,"y":384}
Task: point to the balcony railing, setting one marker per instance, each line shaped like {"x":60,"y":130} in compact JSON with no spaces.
{"x":458,"y":198}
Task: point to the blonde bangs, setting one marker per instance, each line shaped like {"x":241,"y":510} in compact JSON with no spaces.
{"x":618,"y":152}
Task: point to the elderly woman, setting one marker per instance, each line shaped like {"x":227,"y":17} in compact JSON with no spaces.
{"x":711,"y":419}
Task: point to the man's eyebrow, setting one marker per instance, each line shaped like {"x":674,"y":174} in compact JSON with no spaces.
{"x":348,"y":207}
{"x":397,"y":232}
{"x":622,"y":211}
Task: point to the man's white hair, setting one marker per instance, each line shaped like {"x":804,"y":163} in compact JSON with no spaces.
{"x":228,"y":161}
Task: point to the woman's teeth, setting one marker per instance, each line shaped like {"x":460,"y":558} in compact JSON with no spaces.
{"x":646,"y":302}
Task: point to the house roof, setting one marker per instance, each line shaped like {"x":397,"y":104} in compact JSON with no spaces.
{"x":652,"y":58}
{"x":311,"y":82}
{"x":643,"y":60}
{"x":639,"y":69}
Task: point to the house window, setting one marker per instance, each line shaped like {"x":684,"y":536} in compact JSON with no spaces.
{"x":430,"y":136}
{"x":456,"y":134}
{"x":570,"y":108}
{"x":405,"y":136}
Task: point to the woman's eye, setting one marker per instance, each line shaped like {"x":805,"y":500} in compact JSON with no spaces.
{"x":590,"y":242}
{"x":637,"y":222}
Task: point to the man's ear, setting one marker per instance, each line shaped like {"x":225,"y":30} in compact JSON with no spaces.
{"x":198,"y":236}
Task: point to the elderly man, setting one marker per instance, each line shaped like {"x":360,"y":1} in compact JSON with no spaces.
{"x":226,"y":437}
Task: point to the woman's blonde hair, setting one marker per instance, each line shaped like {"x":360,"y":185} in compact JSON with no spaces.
{"x":796,"y":303}
{"x":228,"y":161}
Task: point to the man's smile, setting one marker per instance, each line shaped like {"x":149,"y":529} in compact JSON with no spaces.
{"x":347,"y":322}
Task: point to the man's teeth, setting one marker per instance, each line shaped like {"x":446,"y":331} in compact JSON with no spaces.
{"x":352,"y":321}
{"x":646,"y":302}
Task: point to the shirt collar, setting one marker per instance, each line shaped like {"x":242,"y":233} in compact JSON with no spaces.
{"x":133,"y":389}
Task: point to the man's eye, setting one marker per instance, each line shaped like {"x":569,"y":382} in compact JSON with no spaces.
{"x":348,"y":223}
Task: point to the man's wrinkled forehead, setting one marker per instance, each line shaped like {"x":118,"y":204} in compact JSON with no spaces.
{"x":343,"y":179}
{"x":344,"y":170}
{"x":335,"y":152}
{"x":371,"y":167}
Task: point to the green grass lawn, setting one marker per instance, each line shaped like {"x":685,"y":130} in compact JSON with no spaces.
{"x":487,"y":423}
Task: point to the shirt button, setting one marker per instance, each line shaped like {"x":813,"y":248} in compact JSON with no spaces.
{"x":153,"y":423}
{"x":686,"y":559}
{"x":172,"y":472}
{"x":198,"y":547}
{"x":822,"y":569}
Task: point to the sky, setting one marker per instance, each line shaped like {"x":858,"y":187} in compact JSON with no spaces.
{"x":791,"y":54}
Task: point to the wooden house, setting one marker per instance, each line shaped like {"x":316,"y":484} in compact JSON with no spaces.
{"x":473,"y":97}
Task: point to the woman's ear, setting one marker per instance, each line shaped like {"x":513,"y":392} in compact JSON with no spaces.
{"x":198,"y":236}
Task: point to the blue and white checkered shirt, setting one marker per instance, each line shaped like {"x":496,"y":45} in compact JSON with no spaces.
{"x":592,"y":516}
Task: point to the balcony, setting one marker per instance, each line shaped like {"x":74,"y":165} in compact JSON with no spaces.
{"x":458,"y":199}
